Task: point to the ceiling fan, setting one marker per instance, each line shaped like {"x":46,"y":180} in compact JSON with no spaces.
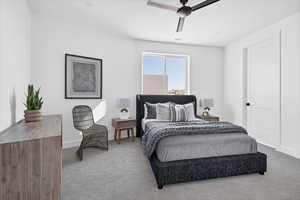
{"x":184,"y":11}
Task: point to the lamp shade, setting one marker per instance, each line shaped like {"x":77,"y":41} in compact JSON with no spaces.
{"x":123,"y":103}
{"x":206,"y":103}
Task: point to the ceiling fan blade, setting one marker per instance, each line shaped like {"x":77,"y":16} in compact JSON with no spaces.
{"x":204,"y":4}
{"x":163,"y":6}
{"x":180,"y":24}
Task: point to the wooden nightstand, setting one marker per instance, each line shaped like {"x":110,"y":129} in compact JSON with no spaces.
{"x":123,"y":124}
{"x":209,"y":118}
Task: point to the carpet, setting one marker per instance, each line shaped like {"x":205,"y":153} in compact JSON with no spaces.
{"x":124,"y":173}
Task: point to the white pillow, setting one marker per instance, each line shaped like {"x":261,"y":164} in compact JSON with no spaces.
{"x":163,"y":111}
{"x":180,"y":113}
{"x":190,"y":111}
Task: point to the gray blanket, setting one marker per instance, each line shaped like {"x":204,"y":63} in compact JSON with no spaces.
{"x":156,"y":130}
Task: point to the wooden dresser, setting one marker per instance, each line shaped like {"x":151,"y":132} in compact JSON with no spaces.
{"x":31,"y":159}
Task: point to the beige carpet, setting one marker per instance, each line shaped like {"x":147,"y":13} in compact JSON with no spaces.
{"x":124,"y":173}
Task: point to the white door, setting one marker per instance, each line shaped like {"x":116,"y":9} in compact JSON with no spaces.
{"x":263,"y":92}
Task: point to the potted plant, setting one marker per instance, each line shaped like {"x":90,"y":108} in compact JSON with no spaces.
{"x":33,"y":104}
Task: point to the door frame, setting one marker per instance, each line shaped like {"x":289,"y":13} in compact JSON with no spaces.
{"x":277,"y":38}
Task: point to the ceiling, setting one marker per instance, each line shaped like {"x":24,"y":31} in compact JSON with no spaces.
{"x":215,"y":25}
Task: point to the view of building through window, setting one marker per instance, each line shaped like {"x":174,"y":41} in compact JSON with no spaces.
{"x":164,"y":74}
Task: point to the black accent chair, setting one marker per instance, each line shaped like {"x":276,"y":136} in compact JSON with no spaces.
{"x":93,"y":135}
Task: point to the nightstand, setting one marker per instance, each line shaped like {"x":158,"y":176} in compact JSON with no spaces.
{"x":121,"y":125}
{"x":209,"y":118}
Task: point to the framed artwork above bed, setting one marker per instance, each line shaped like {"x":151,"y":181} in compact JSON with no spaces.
{"x":83,"y":77}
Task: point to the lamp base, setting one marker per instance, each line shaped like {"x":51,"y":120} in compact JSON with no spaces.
{"x":124,"y":115}
{"x":206,"y":111}
{"x":205,"y":114}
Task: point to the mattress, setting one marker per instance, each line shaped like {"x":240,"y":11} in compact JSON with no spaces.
{"x":182,"y":147}
{"x":202,"y":146}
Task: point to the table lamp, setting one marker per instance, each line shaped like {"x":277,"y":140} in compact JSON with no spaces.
{"x":124,"y":105}
{"x":206,"y":104}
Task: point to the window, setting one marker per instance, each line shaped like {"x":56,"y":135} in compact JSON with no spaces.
{"x":165,"y":74}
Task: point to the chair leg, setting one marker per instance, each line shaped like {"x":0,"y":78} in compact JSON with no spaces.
{"x":116,"y":132}
{"x":119,"y":137}
{"x":132,"y":134}
{"x":106,"y":141}
{"x":80,"y":150}
{"x":90,"y":140}
{"x":80,"y":153}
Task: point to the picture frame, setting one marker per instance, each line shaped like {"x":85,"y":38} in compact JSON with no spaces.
{"x":83,"y":77}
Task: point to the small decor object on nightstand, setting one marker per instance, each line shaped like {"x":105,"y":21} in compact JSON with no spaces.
{"x":124,"y":104}
{"x":206,"y":104}
{"x":33,"y":105}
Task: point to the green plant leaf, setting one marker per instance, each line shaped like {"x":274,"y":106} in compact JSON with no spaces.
{"x":33,"y":99}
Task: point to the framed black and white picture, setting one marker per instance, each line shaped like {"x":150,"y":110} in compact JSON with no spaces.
{"x":83,"y":77}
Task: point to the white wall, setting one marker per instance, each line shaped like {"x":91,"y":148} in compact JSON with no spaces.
{"x":290,"y":79}
{"x":52,"y":38}
{"x":14,"y":59}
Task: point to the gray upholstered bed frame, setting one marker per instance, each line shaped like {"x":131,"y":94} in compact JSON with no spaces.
{"x":196,"y":169}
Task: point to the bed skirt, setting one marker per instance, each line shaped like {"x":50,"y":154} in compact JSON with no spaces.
{"x":206,"y":168}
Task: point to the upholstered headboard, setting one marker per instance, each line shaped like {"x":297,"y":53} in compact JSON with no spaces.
{"x":142,"y":99}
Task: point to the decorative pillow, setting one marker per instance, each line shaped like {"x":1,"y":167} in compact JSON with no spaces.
{"x":182,"y":113}
{"x":190,"y":111}
{"x":163,"y":111}
{"x":150,"y":111}
{"x":172,"y":112}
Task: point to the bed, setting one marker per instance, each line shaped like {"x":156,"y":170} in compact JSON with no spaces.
{"x":170,"y":167}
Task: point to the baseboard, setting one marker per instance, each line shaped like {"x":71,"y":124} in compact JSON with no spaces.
{"x":288,"y":151}
{"x":265,"y":144}
{"x":282,"y":149}
{"x":71,"y":144}
{"x":76,"y":143}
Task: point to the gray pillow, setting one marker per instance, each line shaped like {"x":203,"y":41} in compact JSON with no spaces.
{"x":163,"y":111}
{"x":150,"y":111}
{"x":190,"y":111}
{"x":181,"y":114}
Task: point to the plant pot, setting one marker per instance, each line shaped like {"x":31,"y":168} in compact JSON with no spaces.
{"x":32,"y":115}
